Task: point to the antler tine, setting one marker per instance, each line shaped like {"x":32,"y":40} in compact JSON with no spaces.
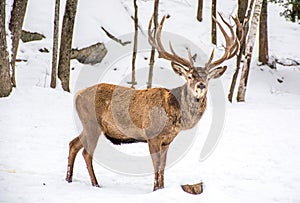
{"x":227,"y":38}
{"x":190,"y":57}
{"x":157,"y":43}
{"x":228,"y":25}
{"x":232,"y":42}
{"x":150,"y":38}
{"x":211,"y":57}
{"x":233,"y":36}
{"x":179,"y":59}
{"x":237,"y":41}
{"x":240,"y":27}
{"x":157,"y":37}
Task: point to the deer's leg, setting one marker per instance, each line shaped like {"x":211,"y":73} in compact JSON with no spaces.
{"x":89,"y":148}
{"x":75,"y":146}
{"x":163,"y":160}
{"x":89,"y":163}
{"x":155,"y":155}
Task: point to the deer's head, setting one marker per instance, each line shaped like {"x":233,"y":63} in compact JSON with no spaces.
{"x":197,"y":78}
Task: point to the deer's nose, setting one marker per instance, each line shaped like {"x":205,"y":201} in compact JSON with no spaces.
{"x":201,"y":85}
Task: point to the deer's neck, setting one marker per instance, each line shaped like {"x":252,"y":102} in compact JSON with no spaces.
{"x":191,"y":109}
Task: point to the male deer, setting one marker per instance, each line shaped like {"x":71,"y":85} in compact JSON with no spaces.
{"x":154,"y":115}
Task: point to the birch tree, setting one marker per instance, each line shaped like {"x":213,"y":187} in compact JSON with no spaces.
{"x":248,"y":52}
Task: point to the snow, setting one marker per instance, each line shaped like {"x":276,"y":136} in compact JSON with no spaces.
{"x":256,"y":159}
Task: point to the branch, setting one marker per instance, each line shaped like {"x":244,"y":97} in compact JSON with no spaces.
{"x":132,"y":17}
{"x":114,"y":38}
{"x":139,"y":26}
{"x":287,"y":62}
{"x":273,"y":60}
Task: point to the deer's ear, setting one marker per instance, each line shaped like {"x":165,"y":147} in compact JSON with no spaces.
{"x":217,"y":72}
{"x":179,"y":69}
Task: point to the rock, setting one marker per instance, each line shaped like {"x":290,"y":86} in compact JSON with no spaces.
{"x":27,"y":36}
{"x":44,"y":50}
{"x":194,"y":189}
{"x":90,"y":55}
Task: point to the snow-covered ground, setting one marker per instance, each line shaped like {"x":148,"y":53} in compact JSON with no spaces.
{"x":256,"y":160}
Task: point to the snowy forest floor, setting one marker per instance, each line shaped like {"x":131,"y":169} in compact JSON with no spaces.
{"x":256,"y":159}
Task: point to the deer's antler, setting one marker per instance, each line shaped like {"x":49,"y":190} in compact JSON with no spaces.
{"x":173,"y":57}
{"x":231,"y":48}
{"x":232,"y":42}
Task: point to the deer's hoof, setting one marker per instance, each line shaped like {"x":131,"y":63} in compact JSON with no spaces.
{"x":96,"y":185}
{"x":157,"y":188}
{"x":69,"y":180}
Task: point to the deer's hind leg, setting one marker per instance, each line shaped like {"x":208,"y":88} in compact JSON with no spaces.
{"x":91,"y":139}
{"x":74,"y":146}
{"x":85,"y":107}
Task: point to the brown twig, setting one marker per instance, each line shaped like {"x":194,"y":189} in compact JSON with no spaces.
{"x":114,"y":38}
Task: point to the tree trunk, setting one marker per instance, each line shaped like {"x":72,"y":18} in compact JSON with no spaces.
{"x":15,"y":26}
{"x":5,"y":81}
{"x":248,"y":52}
{"x":263,"y":55}
{"x":135,"y":43}
{"x":200,"y":10}
{"x":152,"y":56}
{"x":66,"y":44}
{"x":55,"y":44}
{"x":242,"y":8}
{"x":213,"y":23}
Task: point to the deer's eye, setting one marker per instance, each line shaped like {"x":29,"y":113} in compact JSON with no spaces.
{"x":189,"y":77}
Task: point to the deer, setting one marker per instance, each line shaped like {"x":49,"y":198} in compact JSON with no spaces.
{"x":154,"y":115}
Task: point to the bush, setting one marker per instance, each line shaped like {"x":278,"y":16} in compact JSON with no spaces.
{"x":292,"y":9}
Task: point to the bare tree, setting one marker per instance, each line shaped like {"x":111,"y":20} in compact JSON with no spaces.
{"x":5,"y":81}
{"x":200,"y":10}
{"x":213,"y":23}
{"x":135,"y":43}
{"x":55,"y":44}
{"x":248,"y":52}
{"x":66,"y":44}
{"x":263,"y":55}
{"x":152,"y":56}
{"x":15,"y":26}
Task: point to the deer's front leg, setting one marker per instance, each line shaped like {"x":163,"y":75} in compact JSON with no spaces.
{"x":161,"y":170}
{"x":158,"y":153}
{"x":154,"y":148}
